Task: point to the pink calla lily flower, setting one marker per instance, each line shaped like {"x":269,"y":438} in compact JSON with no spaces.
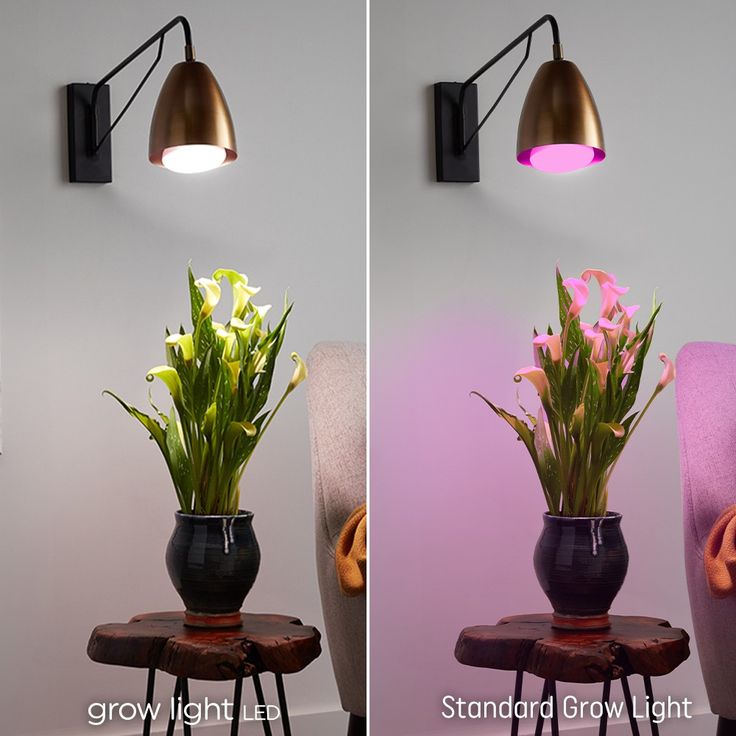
{"x":602,"y":277}
{"x":579,"y":298}
{"x":596,"y":339}
{"x":610,"y":294}
{"x":608,"y":326}
{"x":552,"y":343}
{"x":628,"y":313}
{"x":613,"y":330}
{"x":537,"y":377}
{"x":668,"y":374}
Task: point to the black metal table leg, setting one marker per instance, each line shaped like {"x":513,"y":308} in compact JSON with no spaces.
{"x":172,"y":716}
{"x":604,"y":702}
{"x":517,"y":698}
{"x":553,"y":695}
{"x":185,"y":704}
{"x":262,"y":702}
{"x":149,"y":701}
{"x":540,"y":718}
{"x":237,"y":698}
{"x":650,"y":695}
{"x":282,"y":704}
{"x":629,"y":705}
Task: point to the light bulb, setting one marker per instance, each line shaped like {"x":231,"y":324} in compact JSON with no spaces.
{"x":193,"y":158}
{"x":560,"y":158}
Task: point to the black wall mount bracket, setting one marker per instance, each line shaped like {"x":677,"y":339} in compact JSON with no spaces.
{"x":85,"y":164}
{"x":454,"y":164}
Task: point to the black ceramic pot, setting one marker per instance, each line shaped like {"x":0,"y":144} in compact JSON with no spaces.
{"x":581,"y":564}
{"x":213,"y":562}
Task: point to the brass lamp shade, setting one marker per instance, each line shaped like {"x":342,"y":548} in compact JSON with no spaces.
{"x":191,"y":129}
{"x":559,"y":127}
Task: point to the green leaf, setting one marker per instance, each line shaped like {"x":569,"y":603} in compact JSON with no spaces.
{"x":520,"y":427}
{"x":574,"y":339}
{"x":195,"y":298}
{"x":204,"y":384}
{"x":570,"y":390}
{"x":154,"y":428}
{"x":630,"y":391}
{"x":564,"y":299}
{"x":263,"y":385}
{"x":204,"y":335}
{"x":180,"y":466}
{"x":223,"y":401}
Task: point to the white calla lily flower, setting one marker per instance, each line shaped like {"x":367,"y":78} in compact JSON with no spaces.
{"x":170,"y":377}
{"x":212,"y":293}
{"x":300,"y":372}
{"x":241,"y":291}
{"x":261,"y":312}
{"x":185,"y":343}
{"x":241,"y":296}
{"x":238,"y":324}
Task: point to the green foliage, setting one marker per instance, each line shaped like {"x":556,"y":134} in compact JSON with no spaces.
{"x":219,"y":377}
{"x":587,"y":389}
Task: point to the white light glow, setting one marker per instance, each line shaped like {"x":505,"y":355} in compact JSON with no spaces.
{"x":193,"y":159}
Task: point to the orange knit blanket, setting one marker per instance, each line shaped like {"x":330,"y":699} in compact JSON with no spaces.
{"x":350,"y":553}
{"x":720,"y":555}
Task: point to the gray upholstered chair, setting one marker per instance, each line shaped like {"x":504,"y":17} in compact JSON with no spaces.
{"x":706,"y":415}
{"x":336,"y":398}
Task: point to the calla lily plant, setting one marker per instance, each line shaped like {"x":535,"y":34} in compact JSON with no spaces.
{"x":587,"y":377}
{"x":219,"y":378}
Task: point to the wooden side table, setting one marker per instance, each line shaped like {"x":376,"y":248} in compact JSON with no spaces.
{"x":160,"y":641}
{"x":633,"y":645}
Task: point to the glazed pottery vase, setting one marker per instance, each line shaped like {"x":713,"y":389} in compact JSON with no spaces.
{"x":581,"y":564}
{"x":213,"y":562}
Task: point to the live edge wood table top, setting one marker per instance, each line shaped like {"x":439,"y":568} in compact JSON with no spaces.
{"x":633,"y":645}
{"x":265,"y":643}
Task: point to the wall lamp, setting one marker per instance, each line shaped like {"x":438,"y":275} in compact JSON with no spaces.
{"x":559,"y":127}
{"x":191,"y":128}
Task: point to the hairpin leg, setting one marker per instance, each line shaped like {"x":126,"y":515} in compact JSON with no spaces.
{"x":262,"y":702}
{"x":185,"y":704}
{"x":172,"y":715}
{"x":553,"y":695}
{"x":237,"y":699}
{"x":540,"y":718}
{"x":650,"y":694}
{"x":282,"y":704}
{"x":629,"y":705}
{"x":149,"y":701}
{"x":604,"y":702}
{"x":517,"y":698}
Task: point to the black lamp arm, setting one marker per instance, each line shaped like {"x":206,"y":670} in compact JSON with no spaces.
{"x":525,"y":36}
{"x":95,"y":140}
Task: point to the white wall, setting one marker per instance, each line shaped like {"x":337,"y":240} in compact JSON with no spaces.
{"x":89,"y":277}
{"x":461,"y":273}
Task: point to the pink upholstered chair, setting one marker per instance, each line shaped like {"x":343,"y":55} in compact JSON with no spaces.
{"x":706,"y":415}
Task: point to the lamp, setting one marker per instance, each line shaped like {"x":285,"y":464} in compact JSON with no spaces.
{"x":191,"y":129}
{"x":559,"y":128}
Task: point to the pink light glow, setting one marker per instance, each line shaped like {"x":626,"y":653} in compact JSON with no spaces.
{"x":560,"y":158}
